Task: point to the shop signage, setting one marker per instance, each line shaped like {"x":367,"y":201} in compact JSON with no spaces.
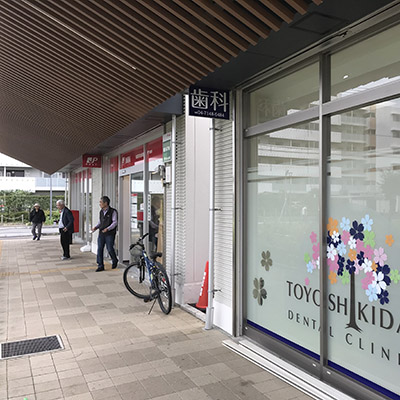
{"x":131,"y":158}
{"x":210,"y":103}
{"x":167,"y":147}
{"x":155,"y":149}
{"x":91,"y":161}
{"x":114,"y":164}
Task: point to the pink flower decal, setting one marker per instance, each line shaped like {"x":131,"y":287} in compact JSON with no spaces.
{"x":369,"y":277}
{"x":345,"y":236}
{"x":380,"y":256}
{"x":333,"y":266}
{"x":315,"y":251}
{"x":313,"y":237}
{"x":307,"y":281}
{"x":368,"y":252}
{"x":360,"y":246}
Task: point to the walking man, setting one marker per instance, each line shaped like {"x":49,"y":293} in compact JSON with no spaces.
{"x":66,"y":228}
{"x":37,"y":218}
{"x":107,"y":226}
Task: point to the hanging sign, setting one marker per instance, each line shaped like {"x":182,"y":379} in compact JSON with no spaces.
{"x":166,"y":142}
{"x":210,"y":103}
{"x":91,"y":161}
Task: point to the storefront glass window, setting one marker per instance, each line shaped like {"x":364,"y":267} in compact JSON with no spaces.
{"x":294,"y":92}
{"x":282,"y":243}
{"x":363,"y":243}
{"x":370,"y":63}
{"x":156,"y":195}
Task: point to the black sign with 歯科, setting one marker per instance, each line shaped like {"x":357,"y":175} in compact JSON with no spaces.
{"x":210,"y":103}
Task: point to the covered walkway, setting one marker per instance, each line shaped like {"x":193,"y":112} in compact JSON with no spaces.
{"x":113,"y":348}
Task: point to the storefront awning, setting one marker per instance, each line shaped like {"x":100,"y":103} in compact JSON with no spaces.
{"x":74,"y":73}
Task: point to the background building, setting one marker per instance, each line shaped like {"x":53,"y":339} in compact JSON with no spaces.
{"x":15,"y":175}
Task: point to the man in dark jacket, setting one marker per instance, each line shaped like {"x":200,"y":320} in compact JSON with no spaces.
{"x":107,"y":226}
{"x":66,"y":228}
{"x":37,"y":218}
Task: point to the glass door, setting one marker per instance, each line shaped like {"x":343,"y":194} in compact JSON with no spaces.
{"x":156,"y":196}
{"x":137,"y":205}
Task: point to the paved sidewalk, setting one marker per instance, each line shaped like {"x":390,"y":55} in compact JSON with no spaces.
{"x":20,"y":231}
{"x":113,"y":349}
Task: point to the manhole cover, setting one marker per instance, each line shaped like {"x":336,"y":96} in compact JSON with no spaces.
{"x":30,"y":346}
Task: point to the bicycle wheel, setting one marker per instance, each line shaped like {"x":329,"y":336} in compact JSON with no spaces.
{"x":133,"y":282}
{"x":164,"y":289}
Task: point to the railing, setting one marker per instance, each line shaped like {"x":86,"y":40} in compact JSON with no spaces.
{"x":31,"y":184}
{"x":13,"y":220}
{"x":56,"y":183}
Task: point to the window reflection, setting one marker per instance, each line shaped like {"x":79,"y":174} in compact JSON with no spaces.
{"x":282,"y":204}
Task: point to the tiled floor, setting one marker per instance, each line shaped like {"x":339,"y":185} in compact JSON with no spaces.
{"x":113,"y":348}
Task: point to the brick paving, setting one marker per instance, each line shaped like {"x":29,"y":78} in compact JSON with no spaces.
{"x":113,"y":349}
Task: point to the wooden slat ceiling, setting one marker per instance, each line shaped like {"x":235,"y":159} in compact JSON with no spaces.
{"x":75,"y":72}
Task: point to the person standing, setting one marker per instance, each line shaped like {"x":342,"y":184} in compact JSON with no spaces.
{"x":37,"y":218}
{"x":107,"y":226}
{"x":66,"y":228}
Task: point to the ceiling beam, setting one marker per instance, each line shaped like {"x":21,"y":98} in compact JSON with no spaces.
{"x":299,"y":5}
{"x":279,"y":9}
{"x":227,"y":19}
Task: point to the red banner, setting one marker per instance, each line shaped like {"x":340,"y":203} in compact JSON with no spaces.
{"x":154,"y":149}
{"x":114,"y":164}
{"x":91,"y":161}
{"x":131,"y":158}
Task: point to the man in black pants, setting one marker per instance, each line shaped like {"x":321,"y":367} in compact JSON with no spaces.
{"x":37,"y":218}
{"x":107,"y":226}
{"x":66,"y":228}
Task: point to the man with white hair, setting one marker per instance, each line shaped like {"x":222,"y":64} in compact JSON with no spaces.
{"x":37,"y":218}
{"x":66,"y":228}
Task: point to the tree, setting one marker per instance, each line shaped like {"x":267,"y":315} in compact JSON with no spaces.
{"x":350,"y":251}
{"x":20,"y":202}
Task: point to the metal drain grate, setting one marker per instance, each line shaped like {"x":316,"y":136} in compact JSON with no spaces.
{"x":30,"y":346}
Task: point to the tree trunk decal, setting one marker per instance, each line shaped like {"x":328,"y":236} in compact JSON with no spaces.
{"x":352,"y":320}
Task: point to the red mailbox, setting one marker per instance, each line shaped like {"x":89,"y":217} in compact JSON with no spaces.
{"x":75,"y":213}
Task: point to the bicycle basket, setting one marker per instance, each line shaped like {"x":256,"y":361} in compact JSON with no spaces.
{"x":136,"y":253}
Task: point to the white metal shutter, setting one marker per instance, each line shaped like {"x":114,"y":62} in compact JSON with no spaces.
{"x":168,"y":232}
{"x":168,"y":218}
{"x":180,"y":240}
{"x":224,"y":219}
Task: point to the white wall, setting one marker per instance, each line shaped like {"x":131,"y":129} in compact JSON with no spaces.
{"x":197,"y":204}
{"x":11,"y":162}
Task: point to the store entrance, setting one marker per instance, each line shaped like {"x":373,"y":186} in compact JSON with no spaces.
{"x":156,"y":222}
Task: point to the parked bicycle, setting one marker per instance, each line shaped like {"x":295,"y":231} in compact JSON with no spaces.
{"x":146,"y":278}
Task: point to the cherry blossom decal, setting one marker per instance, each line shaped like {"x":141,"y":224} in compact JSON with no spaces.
{"x":352,"y":252}
{"x":266,"y":261}
{"x":259,"y":293}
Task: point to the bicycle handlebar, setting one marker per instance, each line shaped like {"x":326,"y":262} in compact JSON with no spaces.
{"x":139,"y":241}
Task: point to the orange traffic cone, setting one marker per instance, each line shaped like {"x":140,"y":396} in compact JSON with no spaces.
{"x":203,"y":298}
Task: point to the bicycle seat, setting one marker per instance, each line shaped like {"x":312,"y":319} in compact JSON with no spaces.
{"x":153,"y":256}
